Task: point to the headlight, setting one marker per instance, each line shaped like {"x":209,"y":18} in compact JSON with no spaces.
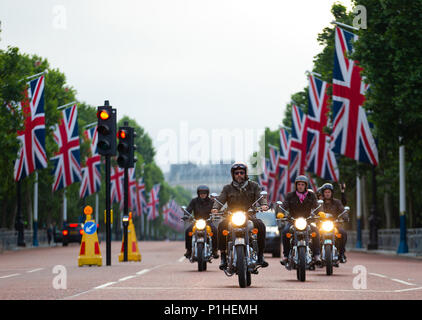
{"x":300,"y":224}
{"x":327,"y":226}
{"x":200,"y":224}
{"x":273,"y":230}
{"x":238,"y":218}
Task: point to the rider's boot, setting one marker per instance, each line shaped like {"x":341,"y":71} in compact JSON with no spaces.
{"x":223,"y":263}
{"x":188,"y":253}
{"x":261,"y":261}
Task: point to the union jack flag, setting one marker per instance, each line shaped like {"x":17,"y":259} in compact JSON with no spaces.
{"x":91,"y":175}
{"x":32,"y":154}
{"x":140,"y":201}
{"x":320,"y":158}
{"x":352,"y":136}
{"x":298,"y":142}
{"x":67,"y":168}
{"x":283,"y":163}
{"x":153,"y":202}
{"x":116,"y":181}
{"x":131,"y":189}
{"x":172,"y":214}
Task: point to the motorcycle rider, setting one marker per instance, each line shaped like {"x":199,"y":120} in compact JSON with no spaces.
{"x":201,"y":207}
{"x":300,"y":203}
{"x":335,"y":207}
{"x":240,"y":194}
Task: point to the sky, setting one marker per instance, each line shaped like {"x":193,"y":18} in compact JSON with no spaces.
{"x":188,"y":71}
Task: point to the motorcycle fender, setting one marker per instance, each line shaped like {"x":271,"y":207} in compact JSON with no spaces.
{"x":328,"y":241}
{"x":238,"y":241}
{"x":301,"y":243}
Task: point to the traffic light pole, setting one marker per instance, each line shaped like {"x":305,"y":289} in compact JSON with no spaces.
{"x":125,"y":213}
{"x":108,"y":211}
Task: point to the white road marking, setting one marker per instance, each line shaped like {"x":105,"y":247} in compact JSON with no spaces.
{"x":126,"y":278}
{"x":396,"y":280}
{"x":411,"y":289}
{"x":35,"y":270}
{"x":276,"y":289}
{"x":143,"y":271}
{"x":181,"y":259}
{"x":104,"y":285}
{"x":404,"y":282}
{"x":378,"y":275}
{"x":10,"y":275}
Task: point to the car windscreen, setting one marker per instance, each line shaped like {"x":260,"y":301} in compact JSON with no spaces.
{"x":267,"y":217}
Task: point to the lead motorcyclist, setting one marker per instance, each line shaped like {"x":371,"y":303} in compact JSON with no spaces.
{"x":201,"y":208}
{"x":240,"y":194}
{"x":335,"y":207}
{"x":300,"y":203}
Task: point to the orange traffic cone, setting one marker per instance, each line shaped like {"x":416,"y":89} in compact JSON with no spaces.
{"x":133,"y":253}
{"x":89,"y":253}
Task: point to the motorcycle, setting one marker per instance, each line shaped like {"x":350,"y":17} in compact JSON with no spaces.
{"x":328,"y":232}
{"x":300,"y":256}
{"x":242,"y":244}
{"x":201,"y":240}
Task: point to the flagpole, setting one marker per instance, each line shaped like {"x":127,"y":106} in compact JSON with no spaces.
{"x":90,"y":125}
{"x":344,"y":25}
{"x":96,"y":207}
{"x":35,"y":222}
{"x":403,"y":248}
{"x":64,"y":208}
{"x":67,"y":105}
{"x":358,"y":214}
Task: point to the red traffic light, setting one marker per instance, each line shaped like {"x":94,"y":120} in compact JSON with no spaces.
{"x":103,"y":115}
{"x":122,"y":134}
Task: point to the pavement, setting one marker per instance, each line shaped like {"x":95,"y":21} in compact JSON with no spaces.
{"x":52,"y":273}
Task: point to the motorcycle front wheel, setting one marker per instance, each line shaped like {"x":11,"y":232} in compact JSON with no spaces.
{"x":202,"y":264}
{"x":241,"y":266}
{"x":301,"y":266}
{"x":328,"y":260}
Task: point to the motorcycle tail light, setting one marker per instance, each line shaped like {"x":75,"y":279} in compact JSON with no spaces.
{"x":255,"y":231}
{"x":338,"y":235}
{"x":225,"y":232}
{"x":288,"y":235}
{"x":211,"y":234}
{"x":313,"y":234}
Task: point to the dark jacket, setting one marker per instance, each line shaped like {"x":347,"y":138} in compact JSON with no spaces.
{"x":201,"y":208}
{"x":240,"y":198}
{"x":298,"y":209}
{"x":333,"y":206}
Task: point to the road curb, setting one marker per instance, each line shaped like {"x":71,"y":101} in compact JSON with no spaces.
{"x":391,"y":253}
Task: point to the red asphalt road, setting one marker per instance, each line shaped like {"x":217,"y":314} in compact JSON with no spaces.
{"x":164,"y":275}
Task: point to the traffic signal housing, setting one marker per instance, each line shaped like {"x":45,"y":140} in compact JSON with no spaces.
{"x":106,"y":130}
{"x":126,"y":147}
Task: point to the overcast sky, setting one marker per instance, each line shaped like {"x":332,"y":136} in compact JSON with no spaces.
{"x":186,"y":67}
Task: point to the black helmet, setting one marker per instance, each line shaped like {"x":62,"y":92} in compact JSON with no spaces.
{"x":302,"y":179}
{"x":239,"y":165}
{"x":327,"y":186}
{"x":203,"y":188}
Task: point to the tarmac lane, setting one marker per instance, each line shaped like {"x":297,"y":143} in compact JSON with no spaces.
{"x":164,"y":274}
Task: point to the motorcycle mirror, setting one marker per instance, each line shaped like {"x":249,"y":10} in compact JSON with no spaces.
{"x":183,"y":207}
{"x":279,"y":203}
{"x":214,"y":195}
{"x":263,"y":193}
{"x":320,"y":202}
{"x":347,"y":208}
